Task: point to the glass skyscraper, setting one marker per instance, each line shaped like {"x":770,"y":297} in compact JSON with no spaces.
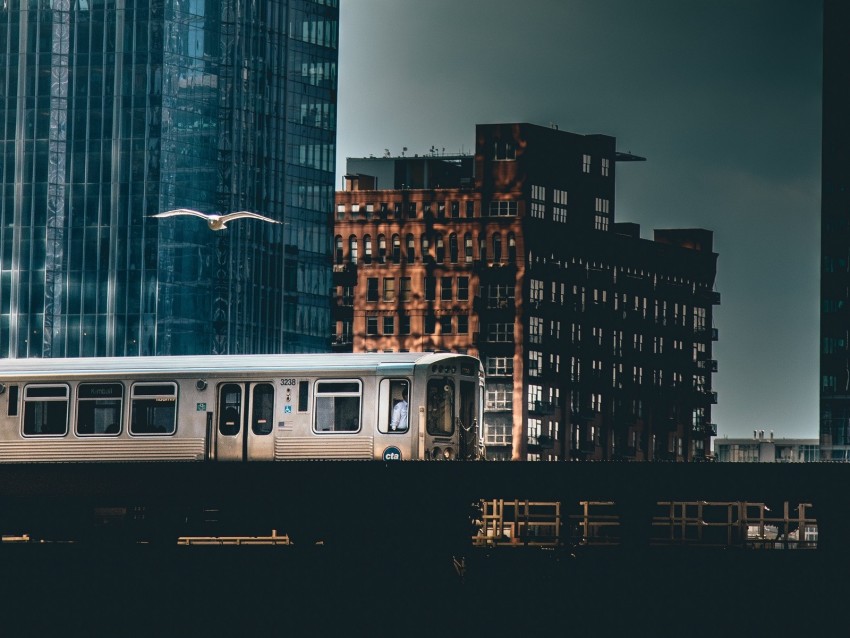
{"x":114,"y":110}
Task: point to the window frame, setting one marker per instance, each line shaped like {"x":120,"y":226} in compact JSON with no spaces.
{"x":80,"y":400}
{"x":26,"y":399}
{"x":340,"y":393}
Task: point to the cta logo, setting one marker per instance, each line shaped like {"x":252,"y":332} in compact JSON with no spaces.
{"x":392,"y":454}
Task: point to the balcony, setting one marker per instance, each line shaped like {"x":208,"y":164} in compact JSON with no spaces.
{"x":345,"y":274}
{"x":542,"y":407}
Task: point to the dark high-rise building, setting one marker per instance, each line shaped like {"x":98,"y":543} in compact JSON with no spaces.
{"x":835,"y":235}
{"x":596,"y":343}
{"x":114,"y":110}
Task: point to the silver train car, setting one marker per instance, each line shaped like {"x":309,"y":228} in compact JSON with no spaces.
{"x":381,"y":406}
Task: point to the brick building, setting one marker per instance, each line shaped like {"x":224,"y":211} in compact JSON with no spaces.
{"x":597,"y":344}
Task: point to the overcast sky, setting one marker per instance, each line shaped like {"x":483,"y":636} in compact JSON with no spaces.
{"x":721,"y":96}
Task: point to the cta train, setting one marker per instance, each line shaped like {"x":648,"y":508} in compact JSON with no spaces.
{"x":379,"y":406}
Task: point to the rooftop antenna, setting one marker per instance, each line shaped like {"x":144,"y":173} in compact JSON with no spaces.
{"x":403,"y":150}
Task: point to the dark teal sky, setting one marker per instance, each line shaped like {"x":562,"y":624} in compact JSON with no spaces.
{"x":721,"y":96}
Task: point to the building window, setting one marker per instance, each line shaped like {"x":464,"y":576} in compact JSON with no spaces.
{"x":555,"y":329}
{"x":446,"y":289}
{"x":467,"y":248}
{"x":499,"y":396}
{"x":352,"y":249}
{"x":389,"y":289}
{"x":500,"y":366}
{"x":404,"y":324}
{"x":441,"y":250}
{"x":389,"y":325}
{"x":372,"y":326}
{"x":605,"y":165}
{"x":497,"y":247}
{"x":446,"y":324}
{"x":372,"y":289}
{"x":470,"y":209}
{"x":411,"y":210}
{"x":535,"y":330}
{"x":500,"y":332}
{"x":538,"y":193}
{"x":463,"y":288}
{"x":463,"y":324}
{"x":338,"y":249}
{"x":555,"y":363}
{"x":455,"y":210}
{"x":367,"y":249}
{"x":453,"y":251}
{"x":396,"y":249}
{"x":504,"y":150}
{"x":536,"y":290}
{"x":500,"y":295}
{"x":585,"y":163}
{"x":535,"y":363}
{"x":600,"y":222}
{"x":503,"y":208}
{"x":382,"y":248}
{"x":411,"y":248}
{"x":430,"y":324}
{"x":404,"y":291}
{"x":426,"y":248}
{"x":430,"y":288}
{"x":559,"y":212}
{"x":535,"y":396}
{"x":538,"y":210}
{"x":602,"y":205}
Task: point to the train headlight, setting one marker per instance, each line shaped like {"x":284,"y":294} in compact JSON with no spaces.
{"x":436,"y":454}
{"x":448,"y":454}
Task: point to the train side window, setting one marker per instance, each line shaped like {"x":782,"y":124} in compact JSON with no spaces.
{"x":303,"y":396}
{"x":393,"y":413}
{"x":262,"y":407}
{"x":230,"y":409}
{"x":12,"y":408}
{"x":337,"y":406}
{"x":99,"y":408}
{"x":153,"y":408}
{"x":441,"y":407}
{"x":46,"y":410}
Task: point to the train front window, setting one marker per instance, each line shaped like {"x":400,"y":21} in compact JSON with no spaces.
{"x":99,"y":408}
{"x":230,"y":409}
{"x":393,"y":412}
{"x":262,"y":408}
{"x":153,"y":408}
{"x":440,"y":407}
{"x":337,"y":406}
{"x":45,"y":410}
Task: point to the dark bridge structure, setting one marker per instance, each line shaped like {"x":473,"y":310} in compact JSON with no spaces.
{"x":385,"y":504}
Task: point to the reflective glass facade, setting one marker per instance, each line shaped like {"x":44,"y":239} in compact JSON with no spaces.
{"x":114,"y":110}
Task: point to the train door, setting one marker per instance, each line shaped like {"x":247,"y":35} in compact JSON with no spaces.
{"x":468,"y":423}
{"x":244,"y":424}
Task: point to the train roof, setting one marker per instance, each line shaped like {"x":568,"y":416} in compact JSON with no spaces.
{"x":214,"y":364}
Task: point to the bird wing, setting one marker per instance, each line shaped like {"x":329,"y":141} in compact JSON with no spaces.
{"x":185,"y":211}
{"x":244,"y":213}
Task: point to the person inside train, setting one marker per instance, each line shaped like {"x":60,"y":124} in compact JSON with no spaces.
{"x":398,"y":422}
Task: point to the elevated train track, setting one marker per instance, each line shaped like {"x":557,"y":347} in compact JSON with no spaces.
{"x":392,"y":504}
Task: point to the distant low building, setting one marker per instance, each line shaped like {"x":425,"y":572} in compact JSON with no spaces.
{"x":761,"y":449}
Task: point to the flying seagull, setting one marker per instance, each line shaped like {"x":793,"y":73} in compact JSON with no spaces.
{"x":216,"y":222}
